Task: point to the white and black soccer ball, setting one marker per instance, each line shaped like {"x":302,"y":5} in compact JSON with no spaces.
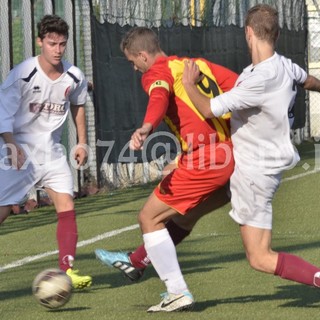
{"x":52,"y":288}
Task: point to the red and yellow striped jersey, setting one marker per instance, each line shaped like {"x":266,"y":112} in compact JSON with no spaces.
{"x":169,"y":101}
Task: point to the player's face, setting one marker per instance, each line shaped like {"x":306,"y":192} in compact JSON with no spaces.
{"x":138,"y":61}
{"x":53,"y":46}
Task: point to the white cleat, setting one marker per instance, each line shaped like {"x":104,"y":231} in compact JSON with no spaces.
{"x":174,"y":302}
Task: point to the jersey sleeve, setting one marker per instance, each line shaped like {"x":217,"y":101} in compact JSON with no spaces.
{"x":157,"y":107}
{"x":10,"y":96}
{"x":300,"y":74}
{"x":246,"y":94}
{"x":79,"y":93}
{"x":157,"y":86}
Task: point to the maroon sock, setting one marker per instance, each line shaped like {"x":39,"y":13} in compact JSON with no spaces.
{"x":67,"y":237}
{"x":139,"y":257}
{"x":293,"y":268}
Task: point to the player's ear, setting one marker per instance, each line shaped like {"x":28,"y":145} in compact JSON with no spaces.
{"x":249,"y":33}
{"x":39,"y":42}
{"x":143,"y":56}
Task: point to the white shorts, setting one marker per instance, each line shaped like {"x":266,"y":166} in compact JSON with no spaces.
{"x":251,"y":198}
{"x":15,"y":184}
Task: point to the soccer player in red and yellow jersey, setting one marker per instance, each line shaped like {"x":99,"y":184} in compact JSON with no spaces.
{"x":202,"y":169}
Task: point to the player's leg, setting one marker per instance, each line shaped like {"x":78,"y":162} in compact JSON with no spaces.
{"x":254,"y":197}
{"x":162,"y":253}
{"x":216,"y":200}
{"x":257,"y":245}
{"x":287,"y":266}
{"x":67,"y":234}
{"x":180,"y":226}
{"x":4,"y":212}
{"x":133,"y":264}
{"x":191,"y":183}
{"x":58,"y":184}
{"x":186,"y":190}
{"x":14,"y":185}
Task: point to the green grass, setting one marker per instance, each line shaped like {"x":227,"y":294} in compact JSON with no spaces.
{"x":211,"y":259}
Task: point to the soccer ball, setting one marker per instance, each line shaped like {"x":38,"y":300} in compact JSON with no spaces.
{"x":52,"y":288}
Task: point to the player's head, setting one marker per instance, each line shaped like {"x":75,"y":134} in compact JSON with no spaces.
{"x":53,"y":33}
{"x":52,"y":24}
{"x":264,"y":21}
{"x":140,"y":45}
{"x":140,"y":39}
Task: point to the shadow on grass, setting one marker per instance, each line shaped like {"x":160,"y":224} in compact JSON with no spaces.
{"x":97,"y":203}
{"x":295,"y":296}
{"x":64,"y":309}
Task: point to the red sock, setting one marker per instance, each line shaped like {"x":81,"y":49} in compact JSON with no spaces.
{"x":67,"y":237}
{"x":139,"y":257}
{"x":293,"y":268}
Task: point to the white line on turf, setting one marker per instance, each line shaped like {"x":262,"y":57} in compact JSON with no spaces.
{"x":110,"y":234}
{"x":29,"y":259}
{"x":301,"y":175}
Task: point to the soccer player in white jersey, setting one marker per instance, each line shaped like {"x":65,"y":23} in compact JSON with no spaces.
{"x":35,"y":100}
{"x":259,"y":102}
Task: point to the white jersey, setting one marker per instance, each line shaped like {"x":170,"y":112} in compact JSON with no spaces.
{"x":34,"y":108}
{"x":260,"y":101}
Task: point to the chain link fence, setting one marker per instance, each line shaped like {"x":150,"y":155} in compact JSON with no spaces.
{"x":314,"y":65}
{"x":18,"y":20}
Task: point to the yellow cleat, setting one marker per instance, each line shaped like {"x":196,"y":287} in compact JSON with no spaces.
{"x":78,"y":282}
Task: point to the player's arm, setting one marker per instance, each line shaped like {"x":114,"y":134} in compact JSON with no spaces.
{"x":15,"y":153}
{"x":9,"y":103}
{"x":247,"y":94}
{"x":156,"y":110}
{"x":79,"y":118}
{"x":190,"y":77}
{"x":139,"y":136}
{"x":311,"y":83}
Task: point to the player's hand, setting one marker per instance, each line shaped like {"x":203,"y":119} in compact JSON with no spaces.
{"x":16,"y":155}
{"x":81,"y":154}
{"x":191,"y":74}
{"x":139,"y":137}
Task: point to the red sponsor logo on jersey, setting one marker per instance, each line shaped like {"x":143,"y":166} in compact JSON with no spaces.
{"x":52,"y":108}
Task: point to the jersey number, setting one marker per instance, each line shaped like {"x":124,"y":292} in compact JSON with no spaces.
{"x":211,"y":89}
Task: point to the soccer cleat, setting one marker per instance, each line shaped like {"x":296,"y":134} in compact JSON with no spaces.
{"x":121,"y":261}
{"x":78,"y":282}
{"x":174,"y":302}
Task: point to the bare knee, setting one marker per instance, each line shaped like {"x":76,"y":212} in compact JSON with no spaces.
{"x":141,"y":218}
{"x":145,"y":221}
{"x":263,"y":262}
{"x":255,"y":262}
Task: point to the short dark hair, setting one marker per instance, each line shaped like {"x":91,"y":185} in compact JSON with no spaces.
{"x":52,"y":23}
{"x":140,"y":39}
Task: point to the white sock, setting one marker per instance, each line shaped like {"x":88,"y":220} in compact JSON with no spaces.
{"x":163,"y":256}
